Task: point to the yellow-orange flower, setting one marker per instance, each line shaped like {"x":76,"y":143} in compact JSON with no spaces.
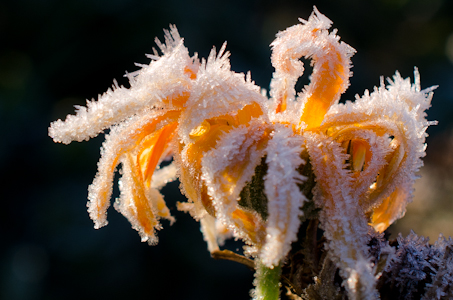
{"x":224,"y":133}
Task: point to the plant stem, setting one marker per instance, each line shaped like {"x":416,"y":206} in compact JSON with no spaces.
{"x":267,"y":282}
{"x":230,"y":255}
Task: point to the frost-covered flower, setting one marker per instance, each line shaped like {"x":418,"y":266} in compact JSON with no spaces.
{"x":239,"y":155}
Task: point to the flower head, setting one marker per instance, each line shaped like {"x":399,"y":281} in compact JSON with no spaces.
{"x":239,"y":155}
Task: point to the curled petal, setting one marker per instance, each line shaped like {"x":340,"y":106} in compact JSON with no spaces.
{"x":121,"y":140}
{"x":331,"y":60}
{"x":369,"y":151}
{"x":204,"y":138}
{"x":391,"y":208}
{"x":226,"y":169}
{"x":388,"y":114}
{"x":134,"y":203}
{"x":190,"y":161}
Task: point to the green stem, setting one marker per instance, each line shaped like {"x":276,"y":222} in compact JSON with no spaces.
{"x":267,"y":282}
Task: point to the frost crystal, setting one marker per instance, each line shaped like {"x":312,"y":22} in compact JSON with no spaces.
{"x":240,"y":157}
{"x":419,"y":268}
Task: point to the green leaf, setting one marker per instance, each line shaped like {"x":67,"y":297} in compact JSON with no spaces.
{"x":252,"y":195}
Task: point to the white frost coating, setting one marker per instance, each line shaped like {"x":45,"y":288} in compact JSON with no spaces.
{"x":158,"y":205}
{"x":361,"y":283}
{"x":341,"y":217}
{"x":164,"y":78}
{"x":164,"y":175}
{"x":223,"y":233}
{"x":237,"y":150}
{"x":176,"y":94}
{"x":126,"y":204}
{"x":397,"y":110}
{"x":284,"y":197}
{"x":217,"y":91}
{"x":311,"y":39}
{"x":196,"y":210}
{"x":209,"y":230}
{"x":120,"y":140}
{"x":412,"y":94}
{"x":214,"y":233}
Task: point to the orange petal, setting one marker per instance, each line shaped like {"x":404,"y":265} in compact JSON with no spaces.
{"x":227,"y":168}
{"x":152,"y":149}
{"x":389,"y":210}
{"x":117,"y":144}
{"x":177,"y":101}
{"x":282,"y":103}
{"x":191,"y":73}
{"x":248,"y":112}
{"x":373,"y":161}
{"x":134,"y":204}
{"x":159,"y":205}
{"x":330,"y":76}
{"x":190,"y":179}
{"x":206,"y":137}
{"x":251,"y":224}
{"x":191,"y":168}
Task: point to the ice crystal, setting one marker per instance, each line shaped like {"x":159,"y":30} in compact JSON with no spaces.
{"x":250,"y":166}
{"x":419,"y":269}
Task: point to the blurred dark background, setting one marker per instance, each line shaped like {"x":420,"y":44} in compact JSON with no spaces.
{"x":55,"y":54}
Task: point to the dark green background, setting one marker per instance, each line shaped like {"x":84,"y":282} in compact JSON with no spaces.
{"x":54,"y":54}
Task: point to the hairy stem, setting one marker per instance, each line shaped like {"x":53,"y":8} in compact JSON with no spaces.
{"x":267,"y":282}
